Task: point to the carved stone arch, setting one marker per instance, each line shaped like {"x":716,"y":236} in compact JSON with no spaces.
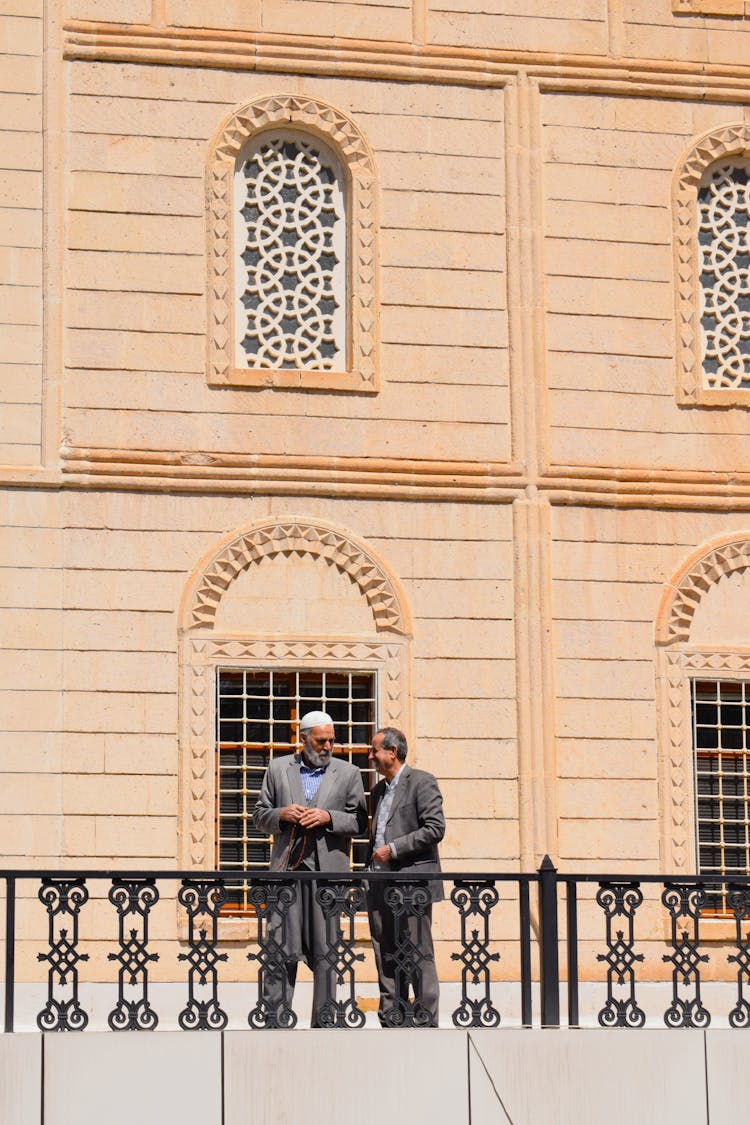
{"x":384,"y":650}
{"x":684,"y":592}
{"x":714,"y":145}
{"x":296,"y":537}
{"x":343,"y":135}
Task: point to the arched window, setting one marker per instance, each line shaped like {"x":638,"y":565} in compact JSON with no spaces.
{"x":704,"y":674}
{"x":711,"y":218}
{"x":292,"y":249}
{"x":291,"y":283}
{"x":284,"y":617}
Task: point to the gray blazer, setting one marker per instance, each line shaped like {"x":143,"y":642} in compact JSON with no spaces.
{"x":341,"y":794}
{"x":416,"y":824}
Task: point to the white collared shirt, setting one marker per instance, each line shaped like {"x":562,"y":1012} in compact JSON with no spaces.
{"x":384,"y":811}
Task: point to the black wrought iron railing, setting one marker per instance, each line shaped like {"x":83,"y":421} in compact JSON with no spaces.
{"x":497,"y":928}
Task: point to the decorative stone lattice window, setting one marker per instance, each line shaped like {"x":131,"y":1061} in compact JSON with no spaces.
{"x":712,"y":267}
{"x":292,"y":249}
{"x":724,"y":263}
{"x":292,"y":242}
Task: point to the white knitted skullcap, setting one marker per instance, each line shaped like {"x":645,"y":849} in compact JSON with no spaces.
{"x":315,"y":719}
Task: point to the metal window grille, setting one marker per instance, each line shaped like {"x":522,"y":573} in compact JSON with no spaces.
{"x":257,"y":719}
{"x":721,"y":739}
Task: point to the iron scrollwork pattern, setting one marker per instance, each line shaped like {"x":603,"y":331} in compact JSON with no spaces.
{"x":133,"y":899}
{"x":63,"y":899}
{"x":271,"y":902}
{"x":738,"y":899}
{"x":620,"y":901}
{"x":202,"y":899}
{"x":684,"y":902}
{"x":475,"y":901}
{"x":337,"y":900}
{"x":410,"y":902}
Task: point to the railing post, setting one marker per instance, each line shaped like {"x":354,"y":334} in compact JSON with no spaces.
{"x":549,"y":968}
{"x":10,"y":951}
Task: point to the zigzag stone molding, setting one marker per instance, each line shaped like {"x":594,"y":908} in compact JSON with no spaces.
{"x":730,"y":140}
{"x":726,"y":558}
{"x":323,"y":120}
{"x":298,"y":538}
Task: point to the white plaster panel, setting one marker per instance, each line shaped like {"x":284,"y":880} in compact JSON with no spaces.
{"x":170,"y":1076}
{"x":561,"y":1077}
{"x":286,"y":1077}
{"x":20,"y":1079}
{"x":727,"y":1066}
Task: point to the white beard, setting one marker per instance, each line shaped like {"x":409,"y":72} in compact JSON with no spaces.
{"x":316,"y":758}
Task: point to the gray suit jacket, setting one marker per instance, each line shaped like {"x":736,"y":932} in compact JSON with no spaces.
{"x":341,"y":794}
{"x":416,"y":824}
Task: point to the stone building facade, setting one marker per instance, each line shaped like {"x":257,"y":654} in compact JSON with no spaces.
{"x":496,"y":488}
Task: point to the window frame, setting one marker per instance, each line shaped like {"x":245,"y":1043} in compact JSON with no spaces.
{"x":285,"y":749}
{"x":714,"y":147}
{"x":717,"y":905}
{"x":327,"y":125}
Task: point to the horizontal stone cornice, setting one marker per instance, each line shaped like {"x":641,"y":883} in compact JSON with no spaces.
{"x":399,"y":61}
{"x":380,"y":478}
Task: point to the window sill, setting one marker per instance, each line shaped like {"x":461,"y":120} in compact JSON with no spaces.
{"x":711,"y":7}
{"x":348,"y":382}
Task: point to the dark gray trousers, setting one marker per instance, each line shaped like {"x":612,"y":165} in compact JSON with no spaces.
{"x":387,"y":931}
{"x":301,"y":933}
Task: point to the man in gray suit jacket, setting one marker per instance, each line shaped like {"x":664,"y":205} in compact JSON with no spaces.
{"x":313,"y":804}
{"x":407,"y":826}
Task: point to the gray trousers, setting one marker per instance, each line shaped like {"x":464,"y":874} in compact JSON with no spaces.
{"x":301,"y":934}
{"x":387,"y":932}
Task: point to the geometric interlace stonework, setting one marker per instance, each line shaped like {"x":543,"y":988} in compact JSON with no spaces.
{"x":724,"y":266}
{"x":294,"y":252}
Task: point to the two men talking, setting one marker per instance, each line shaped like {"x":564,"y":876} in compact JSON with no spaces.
{"x":314,"y":803}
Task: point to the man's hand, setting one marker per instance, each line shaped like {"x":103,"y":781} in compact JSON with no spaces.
{"x":382,"y":855}
{"x":292,"y":813}
{"x":314,"y":818}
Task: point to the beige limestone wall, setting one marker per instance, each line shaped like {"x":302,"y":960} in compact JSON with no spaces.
{"x":21,"y":44}
{"x":608,"y":570}
{"x":654,"y":29}
{"x":31,"y":678}
{"x":528,"y":26}
{"x":524,"y":471}
{"x":95,"y":618}
{"x":136,"y":275}
{"x":608,"y":165}
{"x":92,"y":759}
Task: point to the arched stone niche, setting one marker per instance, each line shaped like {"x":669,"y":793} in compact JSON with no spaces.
{"x":701,"y":630}
{"x":292,"y":593}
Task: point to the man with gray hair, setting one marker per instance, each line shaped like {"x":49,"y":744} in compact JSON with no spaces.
{"x":313,"y":803}
{"x":407,"y":826}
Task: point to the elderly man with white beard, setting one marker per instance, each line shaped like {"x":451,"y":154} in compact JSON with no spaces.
{"x":313,"y":803}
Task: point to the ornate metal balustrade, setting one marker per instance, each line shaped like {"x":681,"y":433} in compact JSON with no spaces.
{"x":622,"y":910}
